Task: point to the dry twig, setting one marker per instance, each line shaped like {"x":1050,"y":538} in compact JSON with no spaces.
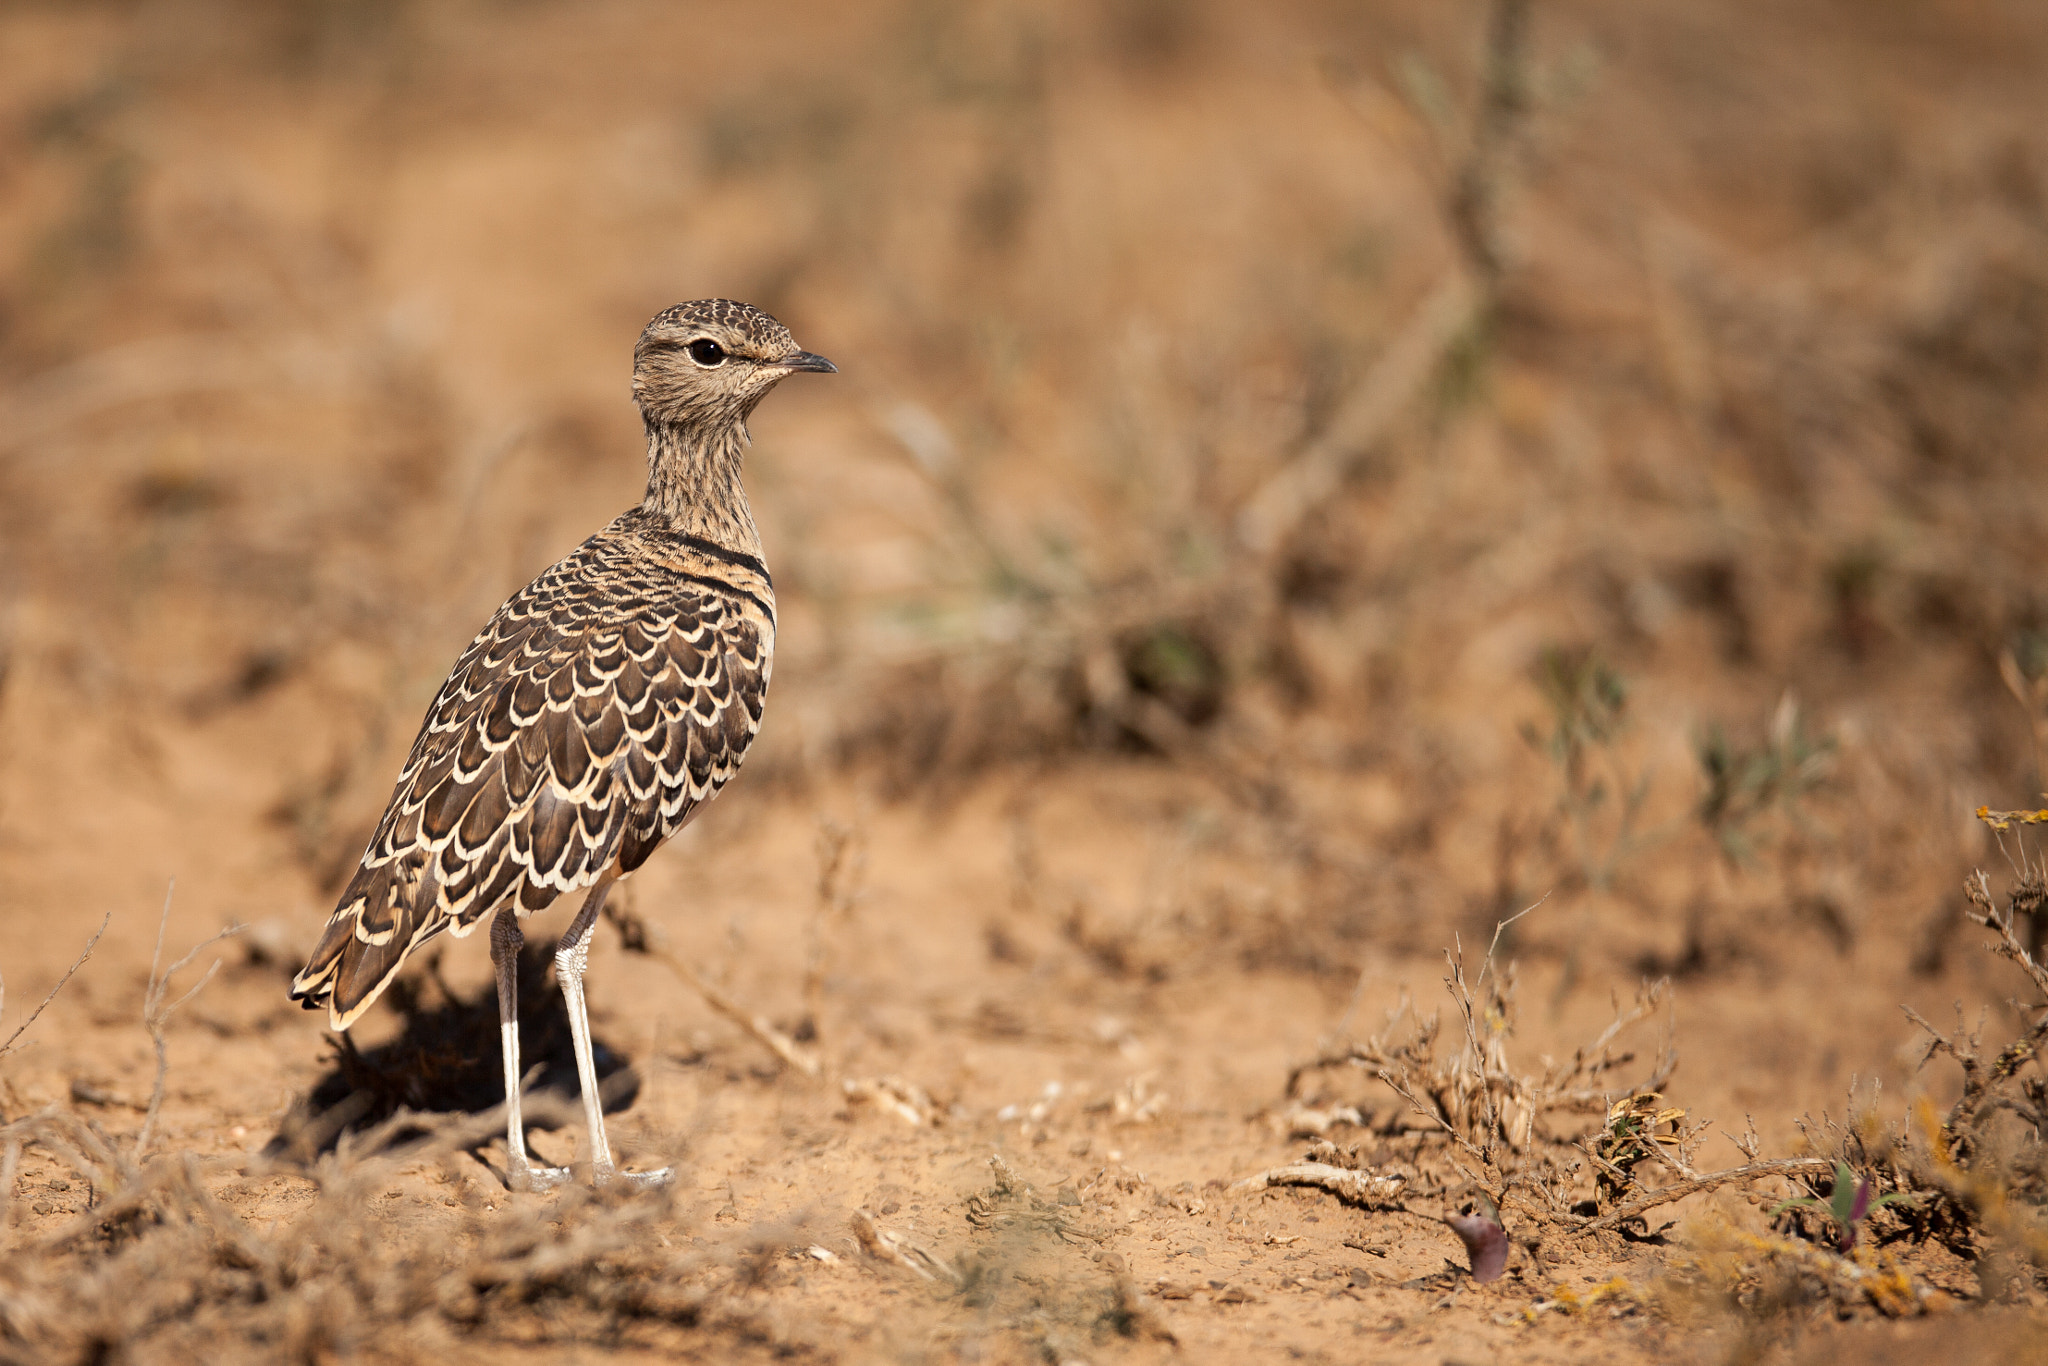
{"x":1271,"y":515}
{"x":907,"y":1101}
{"x":842,"y":861}
{"x":1678,"y":1190}
{"x":637,"y":936}
{"x":156,"y":1014}
{"x":894,"y":1249}
{"x":76,"y":964}
{"x":1353,"y":1187}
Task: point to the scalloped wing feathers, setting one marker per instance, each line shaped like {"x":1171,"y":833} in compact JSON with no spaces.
{"x":587,"y":722}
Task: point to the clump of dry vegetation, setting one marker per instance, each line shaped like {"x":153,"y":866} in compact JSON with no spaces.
{"x":1571,"y":1151}
{"x":1565,"y":1150}
{"x":167,"y":1257}
{"x":1969,"y":1180}
{"x":165,"y":1262}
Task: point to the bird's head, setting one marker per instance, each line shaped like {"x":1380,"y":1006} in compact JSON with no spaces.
{"x":708,"y":362}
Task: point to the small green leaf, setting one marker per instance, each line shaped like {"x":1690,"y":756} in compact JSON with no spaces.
{"x":1842,"y":1200}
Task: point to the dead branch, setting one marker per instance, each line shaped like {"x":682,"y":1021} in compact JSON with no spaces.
{"x":1595,"y":1060}
{"x":637,"y":936}
{"x":1475,"y":201}
{"x":893,"y":1249}
{"x":1341,"y":1055}
{"x":2029,"y":894}
{"x":1352,"y":1187}
{"x":1499,"y":928}
{"x":906,"y":1100}
{"x":1302,"y":1121}
{"x":1012,"y":1203}
{"x":1452,"y":308}
{"x":1678,"y":1190}
{"x":842,"y":862}
{"x":1981,"y":1081}
{"x":1285,"y":499}
{"x":1484,"y":1060}
{"x":1437,"y":1115}
{"x":156,"y":1014}
{"x":76,"y":964}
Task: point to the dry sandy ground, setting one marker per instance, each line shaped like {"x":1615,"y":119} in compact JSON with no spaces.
{"x":1129,"y":1096}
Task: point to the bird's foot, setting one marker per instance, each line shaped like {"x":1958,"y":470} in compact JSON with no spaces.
{"x":608,"y":1174}
{"x":525,"y":1176}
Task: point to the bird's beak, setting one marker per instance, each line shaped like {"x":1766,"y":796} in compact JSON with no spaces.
{"x":805,"y":360}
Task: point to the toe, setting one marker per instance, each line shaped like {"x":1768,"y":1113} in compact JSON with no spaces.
{"x":530,"y":1178}
{"x":638,"y":1180}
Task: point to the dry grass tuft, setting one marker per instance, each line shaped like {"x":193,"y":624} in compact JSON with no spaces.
{"x":168,"y":1263}
{"x":1566,"y":1153}
{"x":1562,"y":1146}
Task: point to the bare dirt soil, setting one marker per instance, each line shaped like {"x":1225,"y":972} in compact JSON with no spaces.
{"x":1306,"y":483}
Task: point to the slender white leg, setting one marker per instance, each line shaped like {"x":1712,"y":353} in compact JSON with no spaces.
{"x":572,"y":960}
{"x":521,"y":1173}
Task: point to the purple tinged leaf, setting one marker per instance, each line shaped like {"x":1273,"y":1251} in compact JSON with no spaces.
{"x":1842,"y":1198}
{"x":1486,"y":1244}
{"x":1858,"y":1207}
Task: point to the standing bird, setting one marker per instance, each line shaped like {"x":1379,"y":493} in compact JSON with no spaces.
{"x":592,"y":717}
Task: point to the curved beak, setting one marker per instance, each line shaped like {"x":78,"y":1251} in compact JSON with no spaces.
{"x":805,"y":360}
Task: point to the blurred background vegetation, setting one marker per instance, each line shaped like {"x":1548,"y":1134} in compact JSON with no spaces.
{"x":1485,"y":448}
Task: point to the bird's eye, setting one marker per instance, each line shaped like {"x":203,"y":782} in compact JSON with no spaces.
{"x":706,"y":352}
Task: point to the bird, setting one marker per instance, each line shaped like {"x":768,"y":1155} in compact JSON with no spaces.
{"x":595,"y":714}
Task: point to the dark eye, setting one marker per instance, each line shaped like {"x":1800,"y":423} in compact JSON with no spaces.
{"x":706,"y":352}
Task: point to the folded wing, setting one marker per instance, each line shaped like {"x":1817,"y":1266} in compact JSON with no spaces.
{"x":585,"y":724}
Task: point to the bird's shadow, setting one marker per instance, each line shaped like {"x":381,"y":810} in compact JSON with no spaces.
{"x":447,"y":1060}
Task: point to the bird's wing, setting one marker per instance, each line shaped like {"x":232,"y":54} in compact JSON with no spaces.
{"x":585,"y":723}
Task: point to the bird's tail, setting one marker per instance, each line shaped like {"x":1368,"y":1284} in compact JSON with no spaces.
{"x":386,"y":912}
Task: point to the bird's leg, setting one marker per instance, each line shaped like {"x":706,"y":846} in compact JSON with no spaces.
{"x":520,"y":1172}
{"x":572,"y":960}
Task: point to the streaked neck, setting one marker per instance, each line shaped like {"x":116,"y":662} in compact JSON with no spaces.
{"x":693,"y":484}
